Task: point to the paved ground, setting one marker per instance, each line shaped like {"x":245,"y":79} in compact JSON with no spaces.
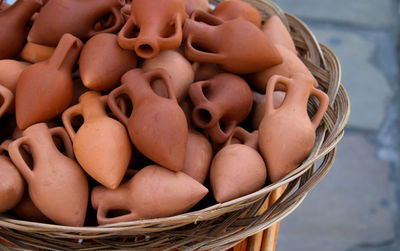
{"x":356,"y":207}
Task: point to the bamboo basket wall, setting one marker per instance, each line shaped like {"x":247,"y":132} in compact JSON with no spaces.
{"x":220,"y":226}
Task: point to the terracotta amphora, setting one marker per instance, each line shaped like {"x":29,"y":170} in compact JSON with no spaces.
{"x":157,"y":125}
{"x":77,"y":17}
{"x":220,"y":103}
{"x":101,"y":145}
{"x":286,"y":134}
{"x":57,"y":184}
{"x":6,"y":99}
{"x":291,"y":65}
{"x":153,"y":192}
{"x":12,"y":26}
{"x":45,"y":89}
{"x":192,"y":5}
{"x":163,"y":31}
{"x":103,"y":62}
{"x":232,"y":9}
{"x":238,"y":169}
{"x":177,"y":66}
{"x":198,"y":156}
{"x":258,"y":111}
{"x":278,"y":33}
{"x":35,"y":53}
{"x":237,"y":45}
{"x":204,"y":71}
{"x":11,"y":183}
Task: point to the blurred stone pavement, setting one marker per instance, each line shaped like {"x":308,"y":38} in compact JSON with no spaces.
{"x":356,"y":206}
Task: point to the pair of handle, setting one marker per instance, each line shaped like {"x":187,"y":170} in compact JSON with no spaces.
{"x":16,"y":155}
{"x":7,"y":97}
{"x":289,"y":82}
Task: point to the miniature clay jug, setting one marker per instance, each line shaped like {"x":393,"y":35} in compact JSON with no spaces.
{"x":198,"y":156}
{"x":163,"y":31}
{"x":157,"y":125}
{"x":57,"y":184}
{"x":258,"y":111}
{"x":191,"y":5}
{"x":6,"y":100}
{"x":12,"y":26}
{"x":278,"y":33}
{"x":101,"y":145}
{"x":177,"y":66}
{"x":204,"y":71}
{"x":238,"y":169}
{"x":35,"y":53}
{"x":153,"y":192}
{"x":45,"y":89}
{"x":103,"y":62}
{"x":220,"y":103}
{"x":77,"y":17}
{"x":291,"y":65}
{"x":232,"y":9}
{"x":286,"y":134}
{"x":237,"y":45}
{"x":11,"y":183}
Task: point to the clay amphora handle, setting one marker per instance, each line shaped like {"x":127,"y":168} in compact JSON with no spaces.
{"x":119,"y":21}
{"x":323,"y":106}
{"x":8,"y":97}
{"x":61,"y":132}
{"x":169,"y":42}
{"x":66,"y":52}
{"x":67,"y":117}
{"x":16,"y":157}
{"x":245,"y":137}
{"x":161,"y":74}
{"x":123,"y":40}
{"x":206,"y":17}
{"x":112,"y":103}
{"x":269,"y":95}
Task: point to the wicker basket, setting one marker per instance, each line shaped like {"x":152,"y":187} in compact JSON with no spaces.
{"x":222,"y":225}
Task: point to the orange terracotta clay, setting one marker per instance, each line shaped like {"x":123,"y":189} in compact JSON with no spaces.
{"x":10,"y":70}
{"x":153,"y":192}
{"x":232,"y":9}
{"x":157,"y":126}
{"x":45,"y":89}
{"x":101,"y":145}
{"x":220,"y":104}
{"x":12,"y":26}
{"x":57,"y":185}
{"x":276,"y":31}
{"x":286,"y":134}
{"x":11,"y":184}
{"x":236,"y":45}
{"x":26,"y":210}
{"x":204,"y":71}
{"x":35,"y":53}
{"x":238,"y":169}
{"x":163,"y":31}
{"x":192,"y":5}
{"x":259,"y":106}
{"x":76,"y":17}
{"x":6,"y":99}
{"x":177,"y":66}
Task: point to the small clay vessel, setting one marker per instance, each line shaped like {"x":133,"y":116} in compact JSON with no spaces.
{"x":157,"y":125}
{"x":232,"y":9}
{"x":192,"y":5}
{"x":102,"y":62}
{"x":291,"y":65}
{"x":45,"y":89}
{"x":204,"y":71}
{"x":57,"y":185}
{"x":238,"y":169}
{"x":236,"y":45}
{"x":220,"y":103}
{"x":258,"y":111}
{"x":286,"y":134}
{"x":198,"y":156}
{"x":6,"y":100}
{"x":153,"y":192}
{"x":12,"y":26}
{"x":101,"y":145}
{"x":76,"y":17}
{"x":163,"y":31}
{"x":278,"y":33}
{"x":26,"y":210}
{"x":35,"y":53}
{"x":177,"y":66}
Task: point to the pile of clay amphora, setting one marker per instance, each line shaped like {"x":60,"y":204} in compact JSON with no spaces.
{"x":139,"y":110}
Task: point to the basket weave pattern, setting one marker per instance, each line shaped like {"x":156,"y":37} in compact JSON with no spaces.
{"x":222,"y":225}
